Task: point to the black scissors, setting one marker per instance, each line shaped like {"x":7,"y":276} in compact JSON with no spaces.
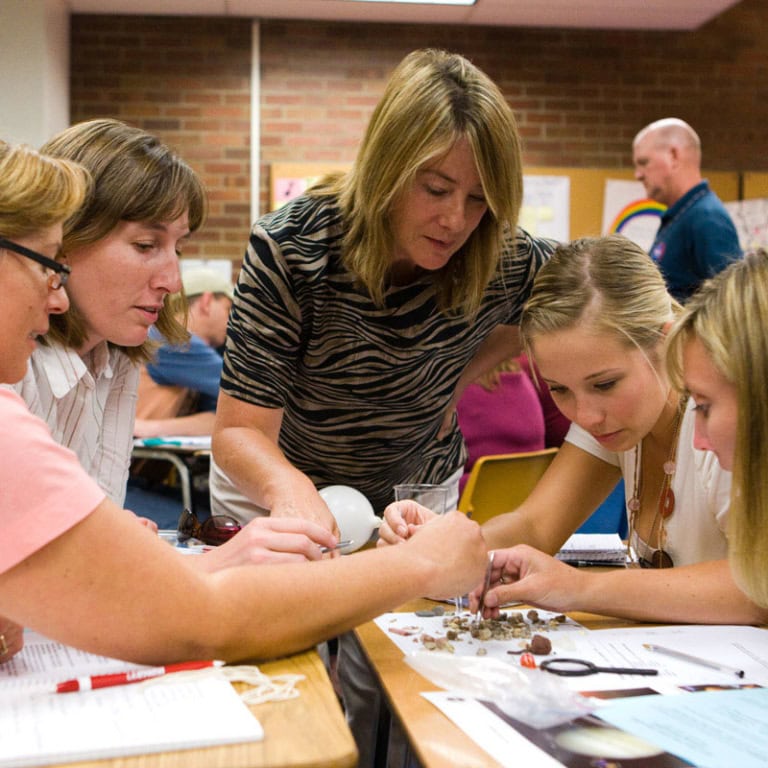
{"x":580,"y":668}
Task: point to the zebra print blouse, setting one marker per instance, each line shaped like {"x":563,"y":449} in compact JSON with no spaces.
{"x":364,"y":389}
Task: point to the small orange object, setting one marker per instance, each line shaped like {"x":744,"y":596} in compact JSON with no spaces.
{"x":527,"y":660}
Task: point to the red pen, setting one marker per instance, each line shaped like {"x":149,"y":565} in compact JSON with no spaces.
{"x":92,"y":682}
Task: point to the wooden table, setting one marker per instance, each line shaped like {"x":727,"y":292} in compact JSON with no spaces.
{"x":306,"y":732}
{"x":434,"y":739}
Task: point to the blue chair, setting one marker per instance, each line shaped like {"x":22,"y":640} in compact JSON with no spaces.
{"x":610,"y":516}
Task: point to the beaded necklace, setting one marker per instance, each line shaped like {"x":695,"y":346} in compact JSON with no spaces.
{"x":660,"y":558}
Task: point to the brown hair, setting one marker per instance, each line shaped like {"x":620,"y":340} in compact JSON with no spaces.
{"x":432,"y":100}
{"x":136,"y":178}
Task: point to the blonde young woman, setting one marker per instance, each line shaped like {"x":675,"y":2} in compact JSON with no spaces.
{"x":595,"y":325}
{"x":718,"y":351}
{"x":76,"y":567}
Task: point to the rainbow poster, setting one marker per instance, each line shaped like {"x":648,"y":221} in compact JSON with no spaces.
{"x":645,"y":207}
{"x":627,"y":210}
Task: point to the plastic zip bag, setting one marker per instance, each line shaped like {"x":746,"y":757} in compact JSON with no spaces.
{"x":533,"y":697}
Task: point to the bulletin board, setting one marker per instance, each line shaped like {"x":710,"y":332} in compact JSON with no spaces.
{"x":755,"y":185}
{"x":588,"y":190}
{"x":586,"y":187}
{"x":750,"y":215}
{"x":288,"y":180}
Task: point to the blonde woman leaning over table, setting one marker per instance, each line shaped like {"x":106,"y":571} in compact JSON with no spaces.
{"x":719,"y":353}
{"x":365,"y":306}
{"x":595,"y":325}
{"x":52,"y":512}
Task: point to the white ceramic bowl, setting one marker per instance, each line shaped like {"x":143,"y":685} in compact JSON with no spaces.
{"x":354,"y":515}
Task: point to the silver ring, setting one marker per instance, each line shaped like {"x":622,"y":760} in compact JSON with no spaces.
{"x":3,"y":646}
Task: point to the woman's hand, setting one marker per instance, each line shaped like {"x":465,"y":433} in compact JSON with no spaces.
{"x":270,"y":540}
{"x":527,"y":575}
{"x":11,"y":639}
{"x":454,"y":547}
{"x":401,"y":520}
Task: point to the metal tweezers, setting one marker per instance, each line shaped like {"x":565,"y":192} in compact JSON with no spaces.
{"x":486,"y":584}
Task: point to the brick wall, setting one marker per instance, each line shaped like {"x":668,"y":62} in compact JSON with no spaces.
{"x":580,"y":96}
{"x":188,"y":81}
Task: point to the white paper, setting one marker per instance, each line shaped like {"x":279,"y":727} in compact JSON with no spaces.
{"x":546,"y":207}
{"x":740,"y":647}
{"x":42,"y":663}
{"x":628,"y":211}
{"x":466,"y":645}
{"x":712,"y":729}
{"x":179,"y":711}
{"x":502,"y":742}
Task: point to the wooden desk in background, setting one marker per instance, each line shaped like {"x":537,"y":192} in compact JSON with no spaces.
{"x":306,"y":732}
{"x":434,"y":739}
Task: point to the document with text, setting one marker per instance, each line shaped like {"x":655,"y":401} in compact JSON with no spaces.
{"x":174,"y":712}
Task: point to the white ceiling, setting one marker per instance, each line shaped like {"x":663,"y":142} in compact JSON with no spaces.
{"x":592,"y":14}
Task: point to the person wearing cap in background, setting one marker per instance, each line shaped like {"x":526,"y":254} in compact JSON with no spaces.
{"x":179,"y":387}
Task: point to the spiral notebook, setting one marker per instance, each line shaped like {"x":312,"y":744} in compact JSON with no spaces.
{"x":594,"y":549}
{"x":174,"y":712}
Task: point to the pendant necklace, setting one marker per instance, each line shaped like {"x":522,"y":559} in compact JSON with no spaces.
{"x":659,"y":558}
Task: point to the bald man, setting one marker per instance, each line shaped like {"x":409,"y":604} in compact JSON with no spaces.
{"x":696,"y":237}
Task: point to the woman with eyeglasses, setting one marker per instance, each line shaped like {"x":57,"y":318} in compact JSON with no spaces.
{"x":595,"y":325}
{"x":35,"y":198}
{"x":122,"y":251}
{"x":77,"y":568}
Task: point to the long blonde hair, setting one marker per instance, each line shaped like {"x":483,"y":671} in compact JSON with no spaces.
{"x":432,"y":100}
{"x":608,"y":283}
{"x":136,"y":178}
{"x":729,"y":316}
{"x":37,"y":192}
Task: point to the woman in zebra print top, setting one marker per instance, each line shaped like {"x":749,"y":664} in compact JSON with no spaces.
{"x":365,"y":306}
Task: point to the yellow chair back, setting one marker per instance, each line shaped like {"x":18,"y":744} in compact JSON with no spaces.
{"x":501,"y":482}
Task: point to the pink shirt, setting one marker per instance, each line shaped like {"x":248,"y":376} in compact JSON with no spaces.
{"x":43,"y":489}
{"x":508,"y":419}
{"x":555,"y":424}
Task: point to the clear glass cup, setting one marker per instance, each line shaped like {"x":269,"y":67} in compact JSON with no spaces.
{"x":433,"y":497}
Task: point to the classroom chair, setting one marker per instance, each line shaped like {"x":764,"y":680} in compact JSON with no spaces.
{"x":499,"y":483}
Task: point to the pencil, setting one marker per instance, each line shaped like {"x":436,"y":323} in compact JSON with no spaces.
{"x":693,"y":659}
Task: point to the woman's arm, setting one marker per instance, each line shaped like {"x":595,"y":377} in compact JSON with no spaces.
{"x":245,"y":447}
{"x":574,"y":485}
{"x":109,"y":586}
{"x":704,"y":593}
{"x":571,"y":489}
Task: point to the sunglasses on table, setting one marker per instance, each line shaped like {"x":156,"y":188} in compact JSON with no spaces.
{"x":59,"y":273}
{"x":213,"y":531}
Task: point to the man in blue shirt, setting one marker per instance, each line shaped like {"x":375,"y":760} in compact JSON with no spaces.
{"x":696,"y":237}
{"x":179,"y":388}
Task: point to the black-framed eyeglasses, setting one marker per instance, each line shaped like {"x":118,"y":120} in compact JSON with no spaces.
{"x":60,"y":271}
{"x":213,"y":531}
